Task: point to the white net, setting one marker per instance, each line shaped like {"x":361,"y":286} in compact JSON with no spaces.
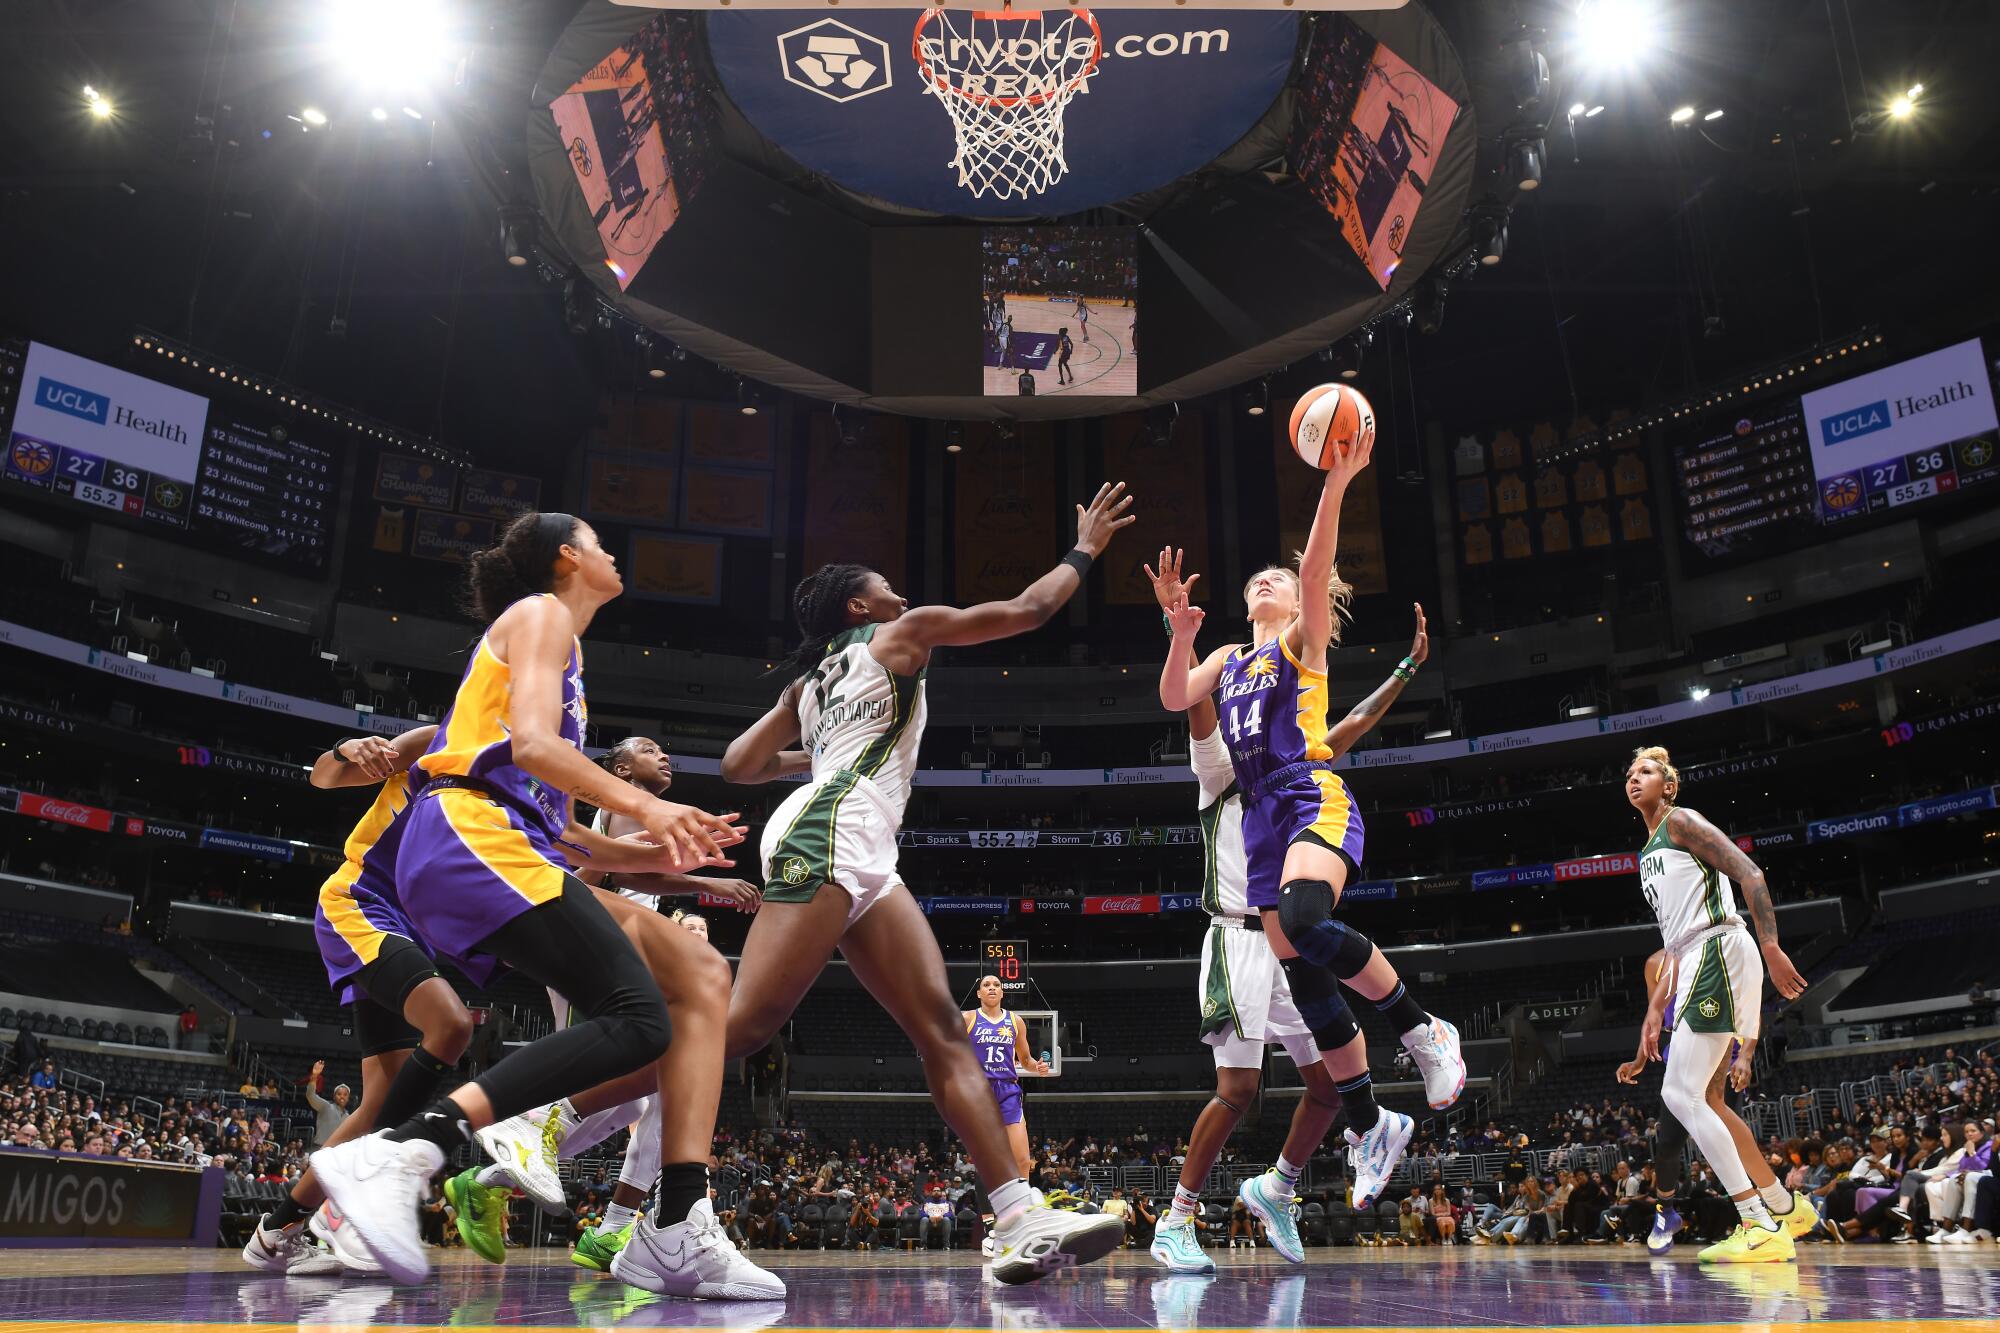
{"x":1005,"y":78}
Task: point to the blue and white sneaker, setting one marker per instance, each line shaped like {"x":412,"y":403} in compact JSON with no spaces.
{"x":1376,"y":1153}
{"x":1270,"y":1198}
{"x":1176,"y":1245}
{"x":1666,"y":1226}
{"x":1435,"y":1049}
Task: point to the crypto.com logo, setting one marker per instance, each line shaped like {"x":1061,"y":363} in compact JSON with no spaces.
{"x":837,"y":62}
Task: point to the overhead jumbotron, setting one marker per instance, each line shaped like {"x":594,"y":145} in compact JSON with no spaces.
{"x":813,"y":197}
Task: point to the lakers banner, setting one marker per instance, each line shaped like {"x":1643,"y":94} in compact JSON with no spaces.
{"x":450,"y":537}
{"x":734,"y":502}
{"x":493,"y":494}
{"x":628,"y":490}
{"x":1360,"y":555}
{"x":641,"y":425}
{"x":1008,"y":514}
{"x":667,"y":567}
{"x":857,"y":499}
{"x":720,"y":434}
{"x":400,"y":479}
{"x":1171,"y":482}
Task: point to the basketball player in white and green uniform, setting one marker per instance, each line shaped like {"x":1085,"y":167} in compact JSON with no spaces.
{"x":853,"y":717}
{"x":1689,"y":870}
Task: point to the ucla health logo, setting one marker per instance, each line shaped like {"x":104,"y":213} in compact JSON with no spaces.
{"x":72,"y":401}
{"x":1854,"y":423}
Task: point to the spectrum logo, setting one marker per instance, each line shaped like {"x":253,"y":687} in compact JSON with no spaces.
{"x":1854,"y":423}
{"x":72,"y":401}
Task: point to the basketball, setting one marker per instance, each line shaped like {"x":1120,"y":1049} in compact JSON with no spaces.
{"x":1328,"y":421}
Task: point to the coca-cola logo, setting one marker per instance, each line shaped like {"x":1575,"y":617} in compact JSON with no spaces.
{"x":67,"y":814}
{"x":1120,"y":904}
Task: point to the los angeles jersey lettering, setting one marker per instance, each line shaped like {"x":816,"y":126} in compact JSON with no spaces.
{"x":1273,"y":712}
{"x":993,"y":1039}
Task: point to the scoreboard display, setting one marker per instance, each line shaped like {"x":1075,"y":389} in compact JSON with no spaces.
{"x":1007,"y":960}
{"x":1789,"y":472}
{"x":223,"y":473}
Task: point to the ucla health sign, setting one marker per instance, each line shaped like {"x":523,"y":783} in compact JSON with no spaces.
{"x":88,"y":407}
{"x":1902,"y":409}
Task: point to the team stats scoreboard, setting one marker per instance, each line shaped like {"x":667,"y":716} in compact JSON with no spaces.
{"x":1791,"y":471}
{"x":224,"y":474}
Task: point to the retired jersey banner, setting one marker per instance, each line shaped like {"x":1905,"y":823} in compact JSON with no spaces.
{"x":1172,"y":481}
{"x":629,"y":490}
{"x":857,"y":499}
{"x":667,"y":567}
{"x":1360,"y":556}
{"x":637,"y":423}
{"x":737,"y":503}
{"x":1010,"y":519}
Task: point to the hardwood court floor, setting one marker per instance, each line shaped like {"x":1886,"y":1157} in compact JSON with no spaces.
{"x":1841,"y":1290}
{"x":1105,"y":367}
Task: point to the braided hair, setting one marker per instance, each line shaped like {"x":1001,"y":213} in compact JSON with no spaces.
{"x":819,"y":604}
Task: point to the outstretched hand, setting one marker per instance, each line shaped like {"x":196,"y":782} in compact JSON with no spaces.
{"x":1420,"y":646}
{"x":1103,"y":517}
{"x":1167,"y":584}
{"x":1185,"y":617}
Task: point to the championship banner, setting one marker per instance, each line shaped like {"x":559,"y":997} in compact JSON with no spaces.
{"x":491,"y":494}
{"x":402,"y":480}
{"x":720,"y":435}
{"x":68,"y":1199}
{"x":1173,"y":510}
{"x":65,"y":812}
{"x":634,"y":423}
{"x":737,"y":503}
{"x":669,"y":568}
{"x":1360,"y":557}
{"x":451,"y":537}
{"x":628,"y":490}
{"x":1131,"y":904}
{"x":1008,"y":532}
{"x":857,"y":499}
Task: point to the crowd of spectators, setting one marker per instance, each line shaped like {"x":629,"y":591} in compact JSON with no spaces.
{"x":35,"y":1113}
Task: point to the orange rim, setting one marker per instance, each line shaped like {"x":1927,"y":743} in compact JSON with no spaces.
{"x":945,"y":85}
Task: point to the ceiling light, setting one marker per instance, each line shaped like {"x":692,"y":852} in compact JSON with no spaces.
{"x":1614,"y":34}
{"x":1577,"y":109}
{"x":400,"y":46}
{"x":1593,"y":111}
{"x":100,"y":108}
{"x":413,"y":113}
{"x":1714,"y":115}
{"x":1682,"y":115}
{"x":1902,"y":107}
{"x":313,"y":116}
{"x":1698,"y":693}
{"x":378,"y":114}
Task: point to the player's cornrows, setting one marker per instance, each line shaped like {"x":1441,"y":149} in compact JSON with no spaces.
{"x":819,"y":604}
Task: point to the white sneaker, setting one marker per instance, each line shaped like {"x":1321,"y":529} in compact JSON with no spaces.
{"x":287,"y":1252}
{"x":1938,"y":1238}
{"x":986,"y":1246}
{"x":344,"y":1241}
{"x":1176,"y":1245}
{"x":1435,"y":1049}
{"x":1376,"y":1153}
{"x":526,"y":1147}
{"x":692,"y":1258}
{"x":377,"y":1186}
{"x":1960,"y":1238}
{"x":1040,"y":1241}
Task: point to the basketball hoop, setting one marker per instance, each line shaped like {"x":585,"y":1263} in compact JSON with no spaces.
{"x":1005,"y":77}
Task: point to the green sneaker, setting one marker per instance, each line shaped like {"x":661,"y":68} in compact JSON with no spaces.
{"x":482,"y":1215}
{"x":596,"y":1251}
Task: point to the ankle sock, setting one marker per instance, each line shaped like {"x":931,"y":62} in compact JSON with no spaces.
{"x":1402,"y":1011}
{"x":1009,"y":1200}
{"x":1357,"y":1095}
{"x":1777,"y":1199}
{"x":1755,"y":1214}
{"x":682,"y":1186}
{"x":615,"y":1218}
{"x":441,"y":1123}
{"x":1186,"y":1203}
{"x":1289,"y":1172}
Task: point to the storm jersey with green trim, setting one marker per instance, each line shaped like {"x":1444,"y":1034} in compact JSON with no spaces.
{"x":855,"y":715}
{"x":1687,"y":894}
{"x":1225,"y":887}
